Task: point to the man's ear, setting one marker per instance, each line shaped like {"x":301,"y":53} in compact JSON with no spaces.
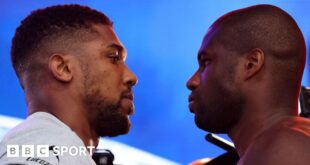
{"x":60,"y":67}
{"x":254,"y":62}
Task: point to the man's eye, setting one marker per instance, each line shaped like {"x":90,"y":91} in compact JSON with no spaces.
{"x":206,"y":62}
{"x":115,"y":57}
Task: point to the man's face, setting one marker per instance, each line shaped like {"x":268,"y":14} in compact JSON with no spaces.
{"x":215,"y":99}
{"x":107,"y":83}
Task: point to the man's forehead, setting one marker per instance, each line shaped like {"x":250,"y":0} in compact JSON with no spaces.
{"x":108,"y":38}
{"x":106,"y":34}
{"x":207,"y":40}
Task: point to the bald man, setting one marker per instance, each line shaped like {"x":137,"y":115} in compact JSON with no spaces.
{"x":247,"y":85}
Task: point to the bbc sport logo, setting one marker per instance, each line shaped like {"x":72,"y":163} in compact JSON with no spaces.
{"x":46,"y":150}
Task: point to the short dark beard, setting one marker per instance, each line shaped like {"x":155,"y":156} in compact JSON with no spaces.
{"x":105,"y":117}
{"x":110,"y":121}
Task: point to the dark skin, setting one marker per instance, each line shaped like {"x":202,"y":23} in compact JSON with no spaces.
{"x":74,"y":79}
{"x":238,"y":93}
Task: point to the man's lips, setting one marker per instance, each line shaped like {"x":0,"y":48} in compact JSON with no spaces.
{"x":191,"y":101}
{"x":128,"y":101}
{"x":190,"y":98}
{"x":128,"y":95}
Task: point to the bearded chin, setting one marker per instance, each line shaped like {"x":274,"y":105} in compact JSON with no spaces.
{"x":111,"y":122}
{"x":107,"y":118}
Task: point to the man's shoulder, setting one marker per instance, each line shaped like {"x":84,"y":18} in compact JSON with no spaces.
{"x":38,"y":129}
{"x":289,"y":130}
{"x":42,"y":131}
{"x":287,"y":142}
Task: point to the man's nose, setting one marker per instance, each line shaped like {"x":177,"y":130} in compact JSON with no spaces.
{"x":193,"y":82}
{"x":130,"y":78}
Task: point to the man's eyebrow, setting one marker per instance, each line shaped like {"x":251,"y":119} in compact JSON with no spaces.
{"x":116,"y":46}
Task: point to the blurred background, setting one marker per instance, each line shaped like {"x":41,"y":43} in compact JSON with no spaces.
{"x":162,"y":38}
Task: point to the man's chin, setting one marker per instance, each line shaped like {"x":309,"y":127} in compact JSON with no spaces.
{"x":121,"y":131}
{"x":114,"y":129}
{"x":204,"y":124}
{"x":199,"y":124}
{"x":114,"y":134}
{"x":213,"y":126}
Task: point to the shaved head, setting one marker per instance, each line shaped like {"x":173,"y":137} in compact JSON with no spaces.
{"x":264,"y":26}
{"x":254,"y":55}
{"x":272,"y":30}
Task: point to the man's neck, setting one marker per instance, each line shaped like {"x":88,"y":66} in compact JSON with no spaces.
{"x":77,"y":121}
{"x":72,"y":116}
{"x":244,"y":133}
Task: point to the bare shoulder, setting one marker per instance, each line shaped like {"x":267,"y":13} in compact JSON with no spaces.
{"x":287,"y":142}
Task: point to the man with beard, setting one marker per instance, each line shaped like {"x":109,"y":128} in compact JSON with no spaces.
{"x":247,"y":85}
{"x":70,"y":64}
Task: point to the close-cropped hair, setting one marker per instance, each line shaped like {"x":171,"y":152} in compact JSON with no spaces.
{"x":43,"y":26}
